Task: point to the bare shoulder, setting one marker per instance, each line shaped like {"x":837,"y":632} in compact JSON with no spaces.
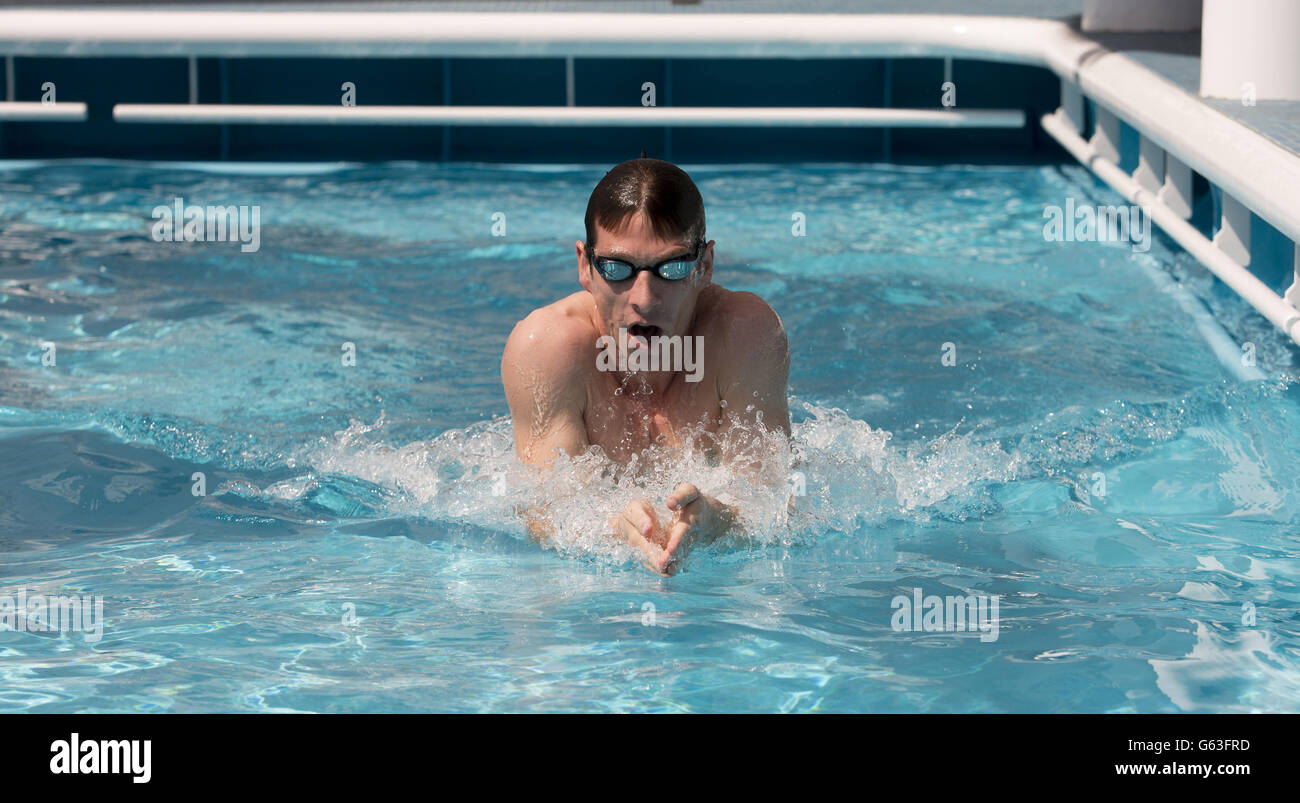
{"x":743,"y":321}
{"x":754,"y":356}
{"x":543,"y":372}
{"x":548,"y":352}
{"x":555,"y":334}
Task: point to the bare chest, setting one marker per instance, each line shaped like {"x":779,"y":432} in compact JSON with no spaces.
{"x":624,"y":419}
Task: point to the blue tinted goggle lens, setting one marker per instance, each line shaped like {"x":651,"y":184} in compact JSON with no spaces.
{"x":616,"y":271}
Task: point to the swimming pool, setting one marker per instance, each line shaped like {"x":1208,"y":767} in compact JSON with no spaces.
{"x":1084,"y":459}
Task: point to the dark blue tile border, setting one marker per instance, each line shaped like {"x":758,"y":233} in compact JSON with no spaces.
{"x":914,"y":83}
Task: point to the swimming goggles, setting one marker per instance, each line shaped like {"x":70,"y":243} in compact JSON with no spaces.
{"x":673,"y":270}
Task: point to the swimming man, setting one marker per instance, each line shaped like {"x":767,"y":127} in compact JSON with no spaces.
{"x":646,"y":274}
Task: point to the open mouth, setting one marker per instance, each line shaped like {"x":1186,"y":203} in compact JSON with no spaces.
{"x":644,"y":330}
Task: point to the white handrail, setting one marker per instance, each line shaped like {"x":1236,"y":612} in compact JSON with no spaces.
{"x":570,"y":115}
{"x":15,"y":110}
{"x":90,"y":32}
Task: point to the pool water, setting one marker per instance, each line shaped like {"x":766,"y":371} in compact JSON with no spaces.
{"x":977,"y":411}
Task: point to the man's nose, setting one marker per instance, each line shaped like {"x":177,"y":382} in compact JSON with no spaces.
{"x":642,"y":296}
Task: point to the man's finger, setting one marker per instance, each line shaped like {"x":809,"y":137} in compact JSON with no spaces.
{"x":641,"y":516}
{"x":652,"y":557}
{"x":678,"y":543}
{"x":683,"y":495}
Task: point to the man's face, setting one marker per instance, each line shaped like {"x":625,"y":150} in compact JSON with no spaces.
{"x":644,"y":303}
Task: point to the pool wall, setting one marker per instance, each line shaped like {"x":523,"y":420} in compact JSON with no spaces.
{"x":605,"y":82}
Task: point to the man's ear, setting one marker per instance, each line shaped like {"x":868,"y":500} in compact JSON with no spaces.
{"x":707,"y":266}
{"x":584,"y":269}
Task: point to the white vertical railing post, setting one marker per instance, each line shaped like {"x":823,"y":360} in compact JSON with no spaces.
{"x":1177,"y":190}
{"x":1105,"y":140}
{"x":194,"y":80}
{"x":1072,"y":105}
{"x":1293,"y":292}
{"x":1233,"y":237}
{"x":1150,"y":173}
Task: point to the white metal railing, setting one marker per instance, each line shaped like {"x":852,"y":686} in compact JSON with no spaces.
{"x":570,"y":115}
{"x":12,"y":111}
{"x":382,"y":34}
{"x":1161,"y":185}
{"x":1226,"y":266}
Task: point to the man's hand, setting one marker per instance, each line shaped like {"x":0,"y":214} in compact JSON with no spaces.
{"x":695,"y":517}
{"x":638,"y":526}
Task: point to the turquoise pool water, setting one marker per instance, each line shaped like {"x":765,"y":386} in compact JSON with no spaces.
{"x":1085,"y":459}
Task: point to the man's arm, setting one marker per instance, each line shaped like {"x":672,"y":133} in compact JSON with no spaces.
{"x":543,"y":371}
{"x":754,"y":376}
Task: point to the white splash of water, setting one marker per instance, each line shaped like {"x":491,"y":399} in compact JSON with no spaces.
{"x":851,"y":478}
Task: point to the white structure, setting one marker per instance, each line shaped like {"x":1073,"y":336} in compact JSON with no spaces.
{"x":1250,"y":49}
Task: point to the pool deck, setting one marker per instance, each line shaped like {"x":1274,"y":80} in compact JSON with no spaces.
{"x":1175,"y":57}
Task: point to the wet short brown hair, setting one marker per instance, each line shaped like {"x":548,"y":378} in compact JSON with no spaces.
{"x":662,"y":190}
